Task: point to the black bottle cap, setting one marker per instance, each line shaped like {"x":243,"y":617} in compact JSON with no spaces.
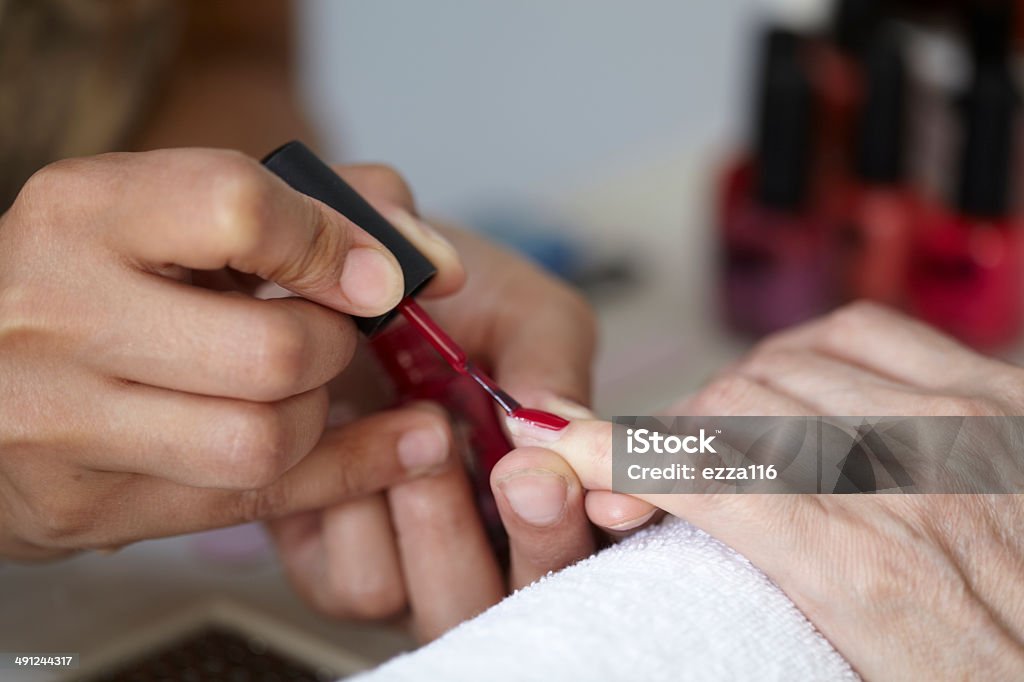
{"x":303,"y":171}
{"x":882,"y":126}
{"x":989,"y":111}
{"x":990,"y":31}
{"x":853,"y":22}
{"x":784,"y":127}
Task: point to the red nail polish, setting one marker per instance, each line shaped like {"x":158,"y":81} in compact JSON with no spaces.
{"x":544,"y":420}
{"x":966,"y":277}
{"x":457,"y":359}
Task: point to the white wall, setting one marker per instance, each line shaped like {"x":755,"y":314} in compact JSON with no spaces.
{"x":478,"y":101}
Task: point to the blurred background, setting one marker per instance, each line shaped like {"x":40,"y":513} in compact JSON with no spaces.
{"x":706,"y":172}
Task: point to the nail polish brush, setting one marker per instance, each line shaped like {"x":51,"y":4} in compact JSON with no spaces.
{"x":305,"y":172}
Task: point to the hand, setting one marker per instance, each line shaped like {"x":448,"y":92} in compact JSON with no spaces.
{"x":422,"y":545}
{"x":138,"y":403}
{"x":905,"y":586}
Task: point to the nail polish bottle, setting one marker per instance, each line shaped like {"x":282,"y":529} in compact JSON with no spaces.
{"x":966,"y":276}
{"x":418,"y":372}
{"x":880,"y":208}
{"x":839,"y":86}
{"x":773,"y":241}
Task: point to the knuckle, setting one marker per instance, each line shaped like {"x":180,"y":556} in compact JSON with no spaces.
{"x":1006,"y":383}
{"x":260,"y":504}
{"x":22,"y":313}
{"x":255,"y":447}
{"x":46,"y":195}
{"x":724,"y":394}
{"x":280,"y":349}
{"x":240,"y":203}
{"x":852,"y":320}
{"x":763,"y":355}
{"x":48,"y":181}
{"x":964,"y":406}
{"x":58,"y":519}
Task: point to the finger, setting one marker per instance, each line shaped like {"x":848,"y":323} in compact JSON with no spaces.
{"x":203,"y":441}
{"x":506,"y":338}
{"x":388,"y":192}
{"x":617,"y":513}
{"x":343,"y":560}
{"x":210,"y":209}
{"x":541,"y":505}
{"x":364,"y":572}
{"x":833,"y":387}
{"x":450,"y":570}
{"x":888,"y":343}
{"x":587,"y":444}
{"x":190,"y":339}
{"x":560,"y":374}
{"x":363,"y":457}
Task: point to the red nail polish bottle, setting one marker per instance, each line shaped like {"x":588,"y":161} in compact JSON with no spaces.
{"x":773,"y":241}
{"x":419,"y":373}
{"x":966,"y":277}
{"x":838,"y":82}
{"x":876,"y":226}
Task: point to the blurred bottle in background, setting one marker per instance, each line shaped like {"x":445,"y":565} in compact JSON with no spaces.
{"x":868,"y":178}
{"x":967,"y":273}
{"x":774,"y":273}
{"x":879,"y":207}
{"x":837,"y":59}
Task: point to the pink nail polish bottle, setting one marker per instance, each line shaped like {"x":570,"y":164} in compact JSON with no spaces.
{"x":775,"y":269}
{"x":419,"y":373}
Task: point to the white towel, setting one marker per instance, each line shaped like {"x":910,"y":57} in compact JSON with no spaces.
{"x":669,"y":603}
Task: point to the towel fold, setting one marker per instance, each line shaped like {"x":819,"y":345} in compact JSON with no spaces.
{"x":669,"y":603}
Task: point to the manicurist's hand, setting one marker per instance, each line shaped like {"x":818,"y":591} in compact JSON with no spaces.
{"x":421,"y":547}
{"x":907,"y":587}
{"x":144,"y":392}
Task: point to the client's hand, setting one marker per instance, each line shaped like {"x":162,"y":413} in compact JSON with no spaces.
{"x":906,"y":587}
{"x":422,"y":546}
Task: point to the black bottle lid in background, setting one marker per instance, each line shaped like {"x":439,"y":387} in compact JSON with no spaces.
{"x":989,"y":111}
{"x":882,"y":131}
{"x":853,"y":23}
{"x":990,"y":25}
{"x":784,"y":125}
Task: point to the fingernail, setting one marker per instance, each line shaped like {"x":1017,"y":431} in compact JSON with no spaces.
{"x":422,"y":449}
{"x":633,"y":523}
{"x":538,"y":497}
{"x":371,"y":280}
{"x":528,"y":433}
